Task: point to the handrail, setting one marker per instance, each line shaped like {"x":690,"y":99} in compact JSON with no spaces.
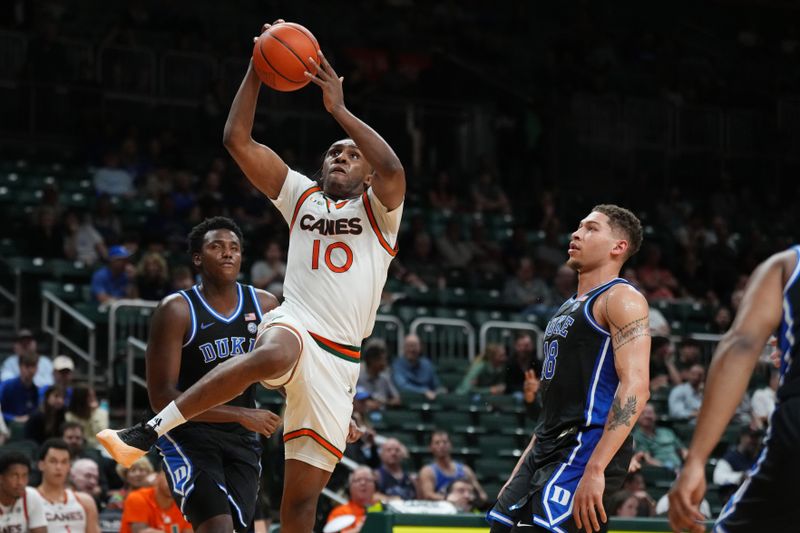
{"x":90,"y":354}
{"x":401,"y":330}
{"x":525,"y":326}
{"x":132,"y":344}
{"x":434,"y":321}
{"x":112,"y":328}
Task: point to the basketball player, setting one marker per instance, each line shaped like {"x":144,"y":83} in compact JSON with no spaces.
{"x":64,"y":509}
{"x":213,"y":461}
{"x":343,"y":232}
{"x":594,"y":384}
{"x":21,"y":507}
{"x":766,"y":500}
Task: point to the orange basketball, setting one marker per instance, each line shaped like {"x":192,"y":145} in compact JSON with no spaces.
{"x":280,"y":56}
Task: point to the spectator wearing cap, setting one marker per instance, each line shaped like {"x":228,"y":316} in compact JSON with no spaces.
{"x":374,"y":377}
{"x":731,"y":469}
{"x":63,"y":369}
{"x":19,"y":396}
{"x":26,"y":343}
{"x":113,"y":281}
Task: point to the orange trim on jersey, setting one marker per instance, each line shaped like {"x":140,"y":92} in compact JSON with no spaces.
{"x":346,"y":352}
{"x":306,"y":432}
{"x":376,"y":229}
{"x":306,"y":194}
{"x":299,"y":337}
{"x":337,"y":205}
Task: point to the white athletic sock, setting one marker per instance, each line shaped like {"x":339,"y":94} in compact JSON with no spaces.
{"x":168,"y":418}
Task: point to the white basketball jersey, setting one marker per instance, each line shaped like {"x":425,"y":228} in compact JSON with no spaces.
{"x":339,"y":255}
{"x":24,"y":514}
{"x":65,"y":516}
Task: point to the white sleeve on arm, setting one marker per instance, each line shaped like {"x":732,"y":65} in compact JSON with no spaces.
{"x":35,"y":504}
{"x":388,"y":221}
{"x":293,"y":188}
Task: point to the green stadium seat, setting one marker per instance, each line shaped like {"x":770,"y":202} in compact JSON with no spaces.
{"x":28,"y":447}
{"x":449,"y":420}
{"x":499,"y":421}
{"x":491,"y":468}
{"x":492,"y":444}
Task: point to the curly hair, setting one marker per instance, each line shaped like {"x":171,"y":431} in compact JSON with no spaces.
{"x":198,"y":232}
{"x":623,"y":220}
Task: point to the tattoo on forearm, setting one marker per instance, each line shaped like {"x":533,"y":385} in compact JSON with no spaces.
{"x":631,"y":331}
{"x":622,"y":414}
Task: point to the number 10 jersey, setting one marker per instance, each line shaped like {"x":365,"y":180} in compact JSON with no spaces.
{"x":338,"y":258}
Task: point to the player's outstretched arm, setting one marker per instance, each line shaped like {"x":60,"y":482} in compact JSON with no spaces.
{"x":263,"y":167}
{"x":734,"y":359}
{"x":389,"y":178}
{"x":168,"y":329}
{"x":626,"y":313}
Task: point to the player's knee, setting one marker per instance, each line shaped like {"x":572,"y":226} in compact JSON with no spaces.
{"x":276,"y":352}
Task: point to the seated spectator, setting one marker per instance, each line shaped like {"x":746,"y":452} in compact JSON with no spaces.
{"x":487,"y":373}
{"x":530,"y":392}
{"x":181,"y":279}
{"x":732,"y":467}
{"x":624,"y":504}
{"x":268,"y":273}
{"x":565,"y":284}
{"x":663,"y":372}
{"x":112,"y":178}
{"x":113,"y":282}
{"x":488,"y":196}
{"x":434,"y":478}
{"x":461,"y":493}
{"x":661,"y":446}
{"x":525,"y":289}
{"x":374,"y":377}
{"x":85,"y":410}
{"x":46,"y":238}
{"x":19,"y":396}
{"x":657,"y":281}
{"x":153,"y":509}
{"x":659,"y":325}
{"x":690,"y":353}
{"x":66,"y":510}
{"x":454,"y":251}
{"x":392,"y":481}
{"x":138,"y":476}
{"x":685,"y":399}
{"x":23,"y":508}
{"x":422,"y":264}
{"x":72,"y":433}
{"x":25,"y":342}
{"x":721,"y":321}
{"x":361,"y":487}
{"x":443,"y":196}
{"x":152,"y":278}
{"x":763,"y":401}
{"x":63,"y":368}
{"x":82,"y":241}
{"x":522,"y":360}
{"x":46,"y":422}
{"x":105,"y":220}
{"x":412,"y":372}
{"x":363,"y":450}
{"x":662,"y":507}
{"x":85,"y":477}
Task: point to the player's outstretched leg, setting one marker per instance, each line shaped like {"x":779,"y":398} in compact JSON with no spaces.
{"x":276,"y":352}
{"x":302,"y":485}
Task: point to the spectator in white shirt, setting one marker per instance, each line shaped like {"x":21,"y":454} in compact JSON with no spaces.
{"x":685,"y":399}
{"x":763,"y":401}
{"x":26,"y":343}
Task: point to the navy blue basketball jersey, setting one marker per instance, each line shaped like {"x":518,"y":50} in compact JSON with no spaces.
{"x":578,"y":377}
{"x":788,"y":334}
{"x":214,"y":338}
